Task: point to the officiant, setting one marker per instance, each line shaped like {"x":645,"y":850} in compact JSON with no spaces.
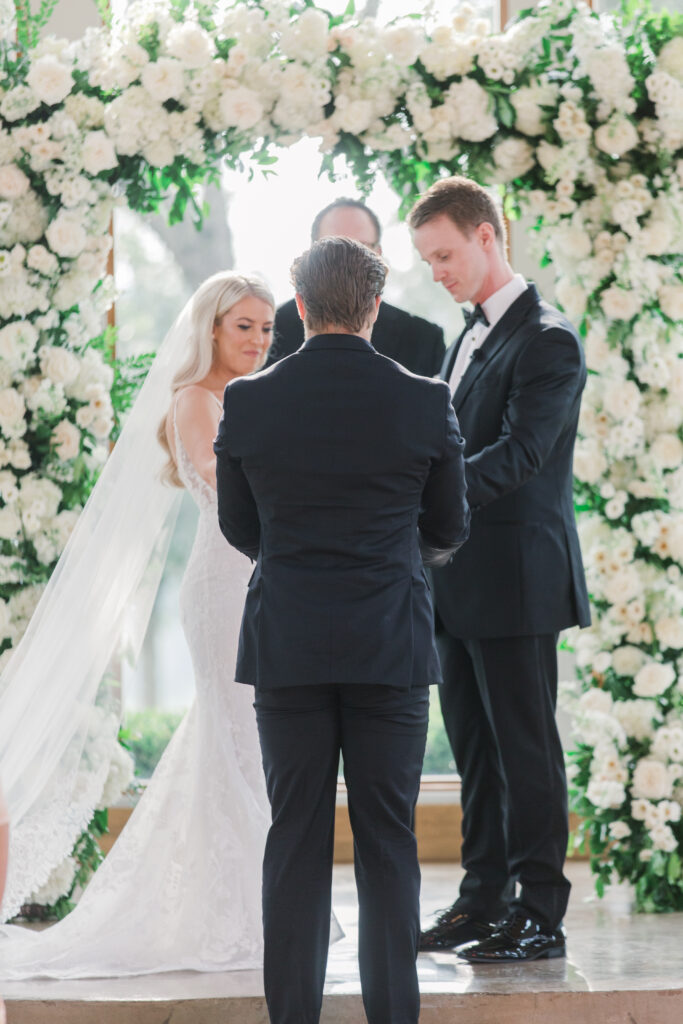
{"x":412,"y":341}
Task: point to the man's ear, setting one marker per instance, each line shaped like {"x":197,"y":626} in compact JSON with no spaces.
{"x":375,"y":311}
{"x":487,"y":234}
{"x":300,"y":306}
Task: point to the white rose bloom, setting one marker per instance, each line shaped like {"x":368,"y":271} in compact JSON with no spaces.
{"x":572,"y":297}
{"x":640,"y":809}
{"x":671,"y":300}
{"x":354,"y":117}
{"x":617,"y":136}
{"x":670,"y":810}
{"x":13,"y":182}
{"x":307,"y":37}
{"x":619,"y":304}
{"x":163,"y":79}
{"x":102,"y":427}
{"x":160,"y":152}
{"x":627,"y":660}
{"x":621,"y":398}
{"x":190,"y":44}
{"x":651,"y":780}
{"x":50,"y":80}
{"x":670,"y":59}
{"x":403,"y":42}
{"x":18,"y":341}
{"x":655,"y":238}
{"x":590,"y":463}
{"x":240,"y":108}
{"x":12,"y":413}
{"x":669,"y":632}
{"x":469,"y":107}
{"x":653,"y":679}
{"x":513,"y":158}
{"x":66,"y":439}
{"x":663,"y":839}
{"x":41,"y":259}
{"x":667,"y":451}
{"x":606,"y":793}
{"x":10,"y":524}
{"x":58,"y":884}
{"x":66,"y":235}
{"x":619,"y":830}
{"x":596,"y":699}
{"x":60,"y":365}
{"x":98,"y":153}
{"x":623,"y":585}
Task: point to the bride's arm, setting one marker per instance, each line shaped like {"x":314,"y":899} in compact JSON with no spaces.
{"x":197,"y":415}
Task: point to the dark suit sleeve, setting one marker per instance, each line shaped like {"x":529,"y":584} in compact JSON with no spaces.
{"x":547,"y":380}
{"x":444,"y":521}
{"x":437,"y":351}
{"x":237,"y":513}
{"x":288,"y":332}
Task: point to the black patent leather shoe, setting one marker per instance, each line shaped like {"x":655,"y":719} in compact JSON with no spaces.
{"x":516,"y":939}
{"x":453,"y":928}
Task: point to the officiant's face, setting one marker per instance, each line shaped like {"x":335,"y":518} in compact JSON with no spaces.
{"x":242,"y":337}
{"x":459,"y":262}
{"x":350,"y":222}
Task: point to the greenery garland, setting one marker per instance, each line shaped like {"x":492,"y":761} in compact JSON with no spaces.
{"x":577,"y":119}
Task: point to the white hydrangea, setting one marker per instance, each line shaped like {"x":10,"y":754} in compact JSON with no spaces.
{"x":651,"y":781}
{"x":58,"y":884}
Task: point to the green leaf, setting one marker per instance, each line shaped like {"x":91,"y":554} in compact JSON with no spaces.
{"x":673,"y":868}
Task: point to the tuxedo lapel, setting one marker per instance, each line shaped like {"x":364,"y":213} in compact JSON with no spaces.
{"x":500,"y":333}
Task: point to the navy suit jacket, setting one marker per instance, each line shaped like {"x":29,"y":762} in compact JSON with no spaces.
{"x":412,"y":341}
{"x":521,"y":571}
{"x":339,"y":471}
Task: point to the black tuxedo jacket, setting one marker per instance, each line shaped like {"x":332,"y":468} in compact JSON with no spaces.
{"x":521,"y":571}
{"x":413,"y":342}
{"x":331,"y":465}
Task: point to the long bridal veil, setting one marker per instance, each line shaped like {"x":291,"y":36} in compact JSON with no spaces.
{"x":59,"y":709}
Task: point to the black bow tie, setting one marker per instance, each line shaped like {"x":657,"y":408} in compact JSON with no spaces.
{"x":473,"y":316}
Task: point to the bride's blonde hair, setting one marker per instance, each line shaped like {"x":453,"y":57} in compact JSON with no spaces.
{"x":212,"y":300}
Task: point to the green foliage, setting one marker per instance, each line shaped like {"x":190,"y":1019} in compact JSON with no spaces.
{"x":30,"y":24}
{"x":147,"y":735}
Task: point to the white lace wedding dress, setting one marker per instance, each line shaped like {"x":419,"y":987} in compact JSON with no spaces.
{"x":181,"y":888}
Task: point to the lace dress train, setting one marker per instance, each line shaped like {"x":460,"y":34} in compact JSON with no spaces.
{"x":181,"y":888}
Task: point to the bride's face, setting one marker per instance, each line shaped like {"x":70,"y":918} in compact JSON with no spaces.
{"x":242,"y":337}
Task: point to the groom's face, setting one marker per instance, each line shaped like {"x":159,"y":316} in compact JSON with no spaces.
{"x":459,"y":262}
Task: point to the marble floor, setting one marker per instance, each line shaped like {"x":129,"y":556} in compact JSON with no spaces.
{"x":610,"y":950}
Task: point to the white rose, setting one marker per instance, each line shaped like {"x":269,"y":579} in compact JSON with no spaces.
{"x":651,"y":781}
{"x":66,"y":235}
{"x":571,"y":297}
{"x":10,"y":524}
{"x":619,"y":304}
{"x":606,"y":793}
{"x":60,"y":365}
{"x":163,"y":79}
{"x":623,"y":585}
{"x":655,"y":237}
{"x":98,"y":153}
{"x":621,"y":398}
{"x":13,"y":182}
{"x":513,"y":158}
{"x":354,"y":117}
{"x":41,"y":259}
{"x":670,"y":810}
{"x":619,"y":830}
{"x":102,"y":427}
{"x":663,"y":839}
{"x":12,"y":413}
{"x":190,"y":44}
{"x":627,"y":660}
{"x":66,"y":439}
{"x":617,"y":136}
{"x":17,"y":343}
{"x":596,"y":699}
{"x":671,"y":300}
{"x":403,"y":43}
{"x":160,"y":152}
{"x":670,"y":58}
{"x":50,"y":80}
{"x":240,"y":108}
{"x":667,"y":451}
{"x":640,"y":809}
{"x":653,"y":679}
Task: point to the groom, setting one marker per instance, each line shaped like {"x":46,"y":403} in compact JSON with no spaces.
{"x":340,"y":472}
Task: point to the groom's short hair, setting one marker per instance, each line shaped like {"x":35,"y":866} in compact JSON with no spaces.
{"x":338,"y":280}
{"x":465,"y":202}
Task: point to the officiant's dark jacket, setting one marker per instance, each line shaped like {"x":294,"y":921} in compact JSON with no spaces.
{"x":413,"y":342}
{"x":328,"y":463}
{"x":520,"y":572}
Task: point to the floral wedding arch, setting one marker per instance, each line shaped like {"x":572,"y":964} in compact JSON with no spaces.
{"x":577,"y":119}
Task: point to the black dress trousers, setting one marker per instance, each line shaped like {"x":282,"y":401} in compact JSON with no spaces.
{"x":381,"y":732}
{"x":498,"y":700}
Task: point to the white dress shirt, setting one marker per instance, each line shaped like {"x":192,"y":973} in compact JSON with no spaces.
{"x":494,"y":308}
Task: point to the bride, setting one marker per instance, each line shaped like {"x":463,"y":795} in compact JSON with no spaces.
{"x":181,"y":887}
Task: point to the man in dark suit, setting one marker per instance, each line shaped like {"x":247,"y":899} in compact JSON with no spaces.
{"x":413,"y":342}
{"x":336,"y":468}
{"x":516,"y":373}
